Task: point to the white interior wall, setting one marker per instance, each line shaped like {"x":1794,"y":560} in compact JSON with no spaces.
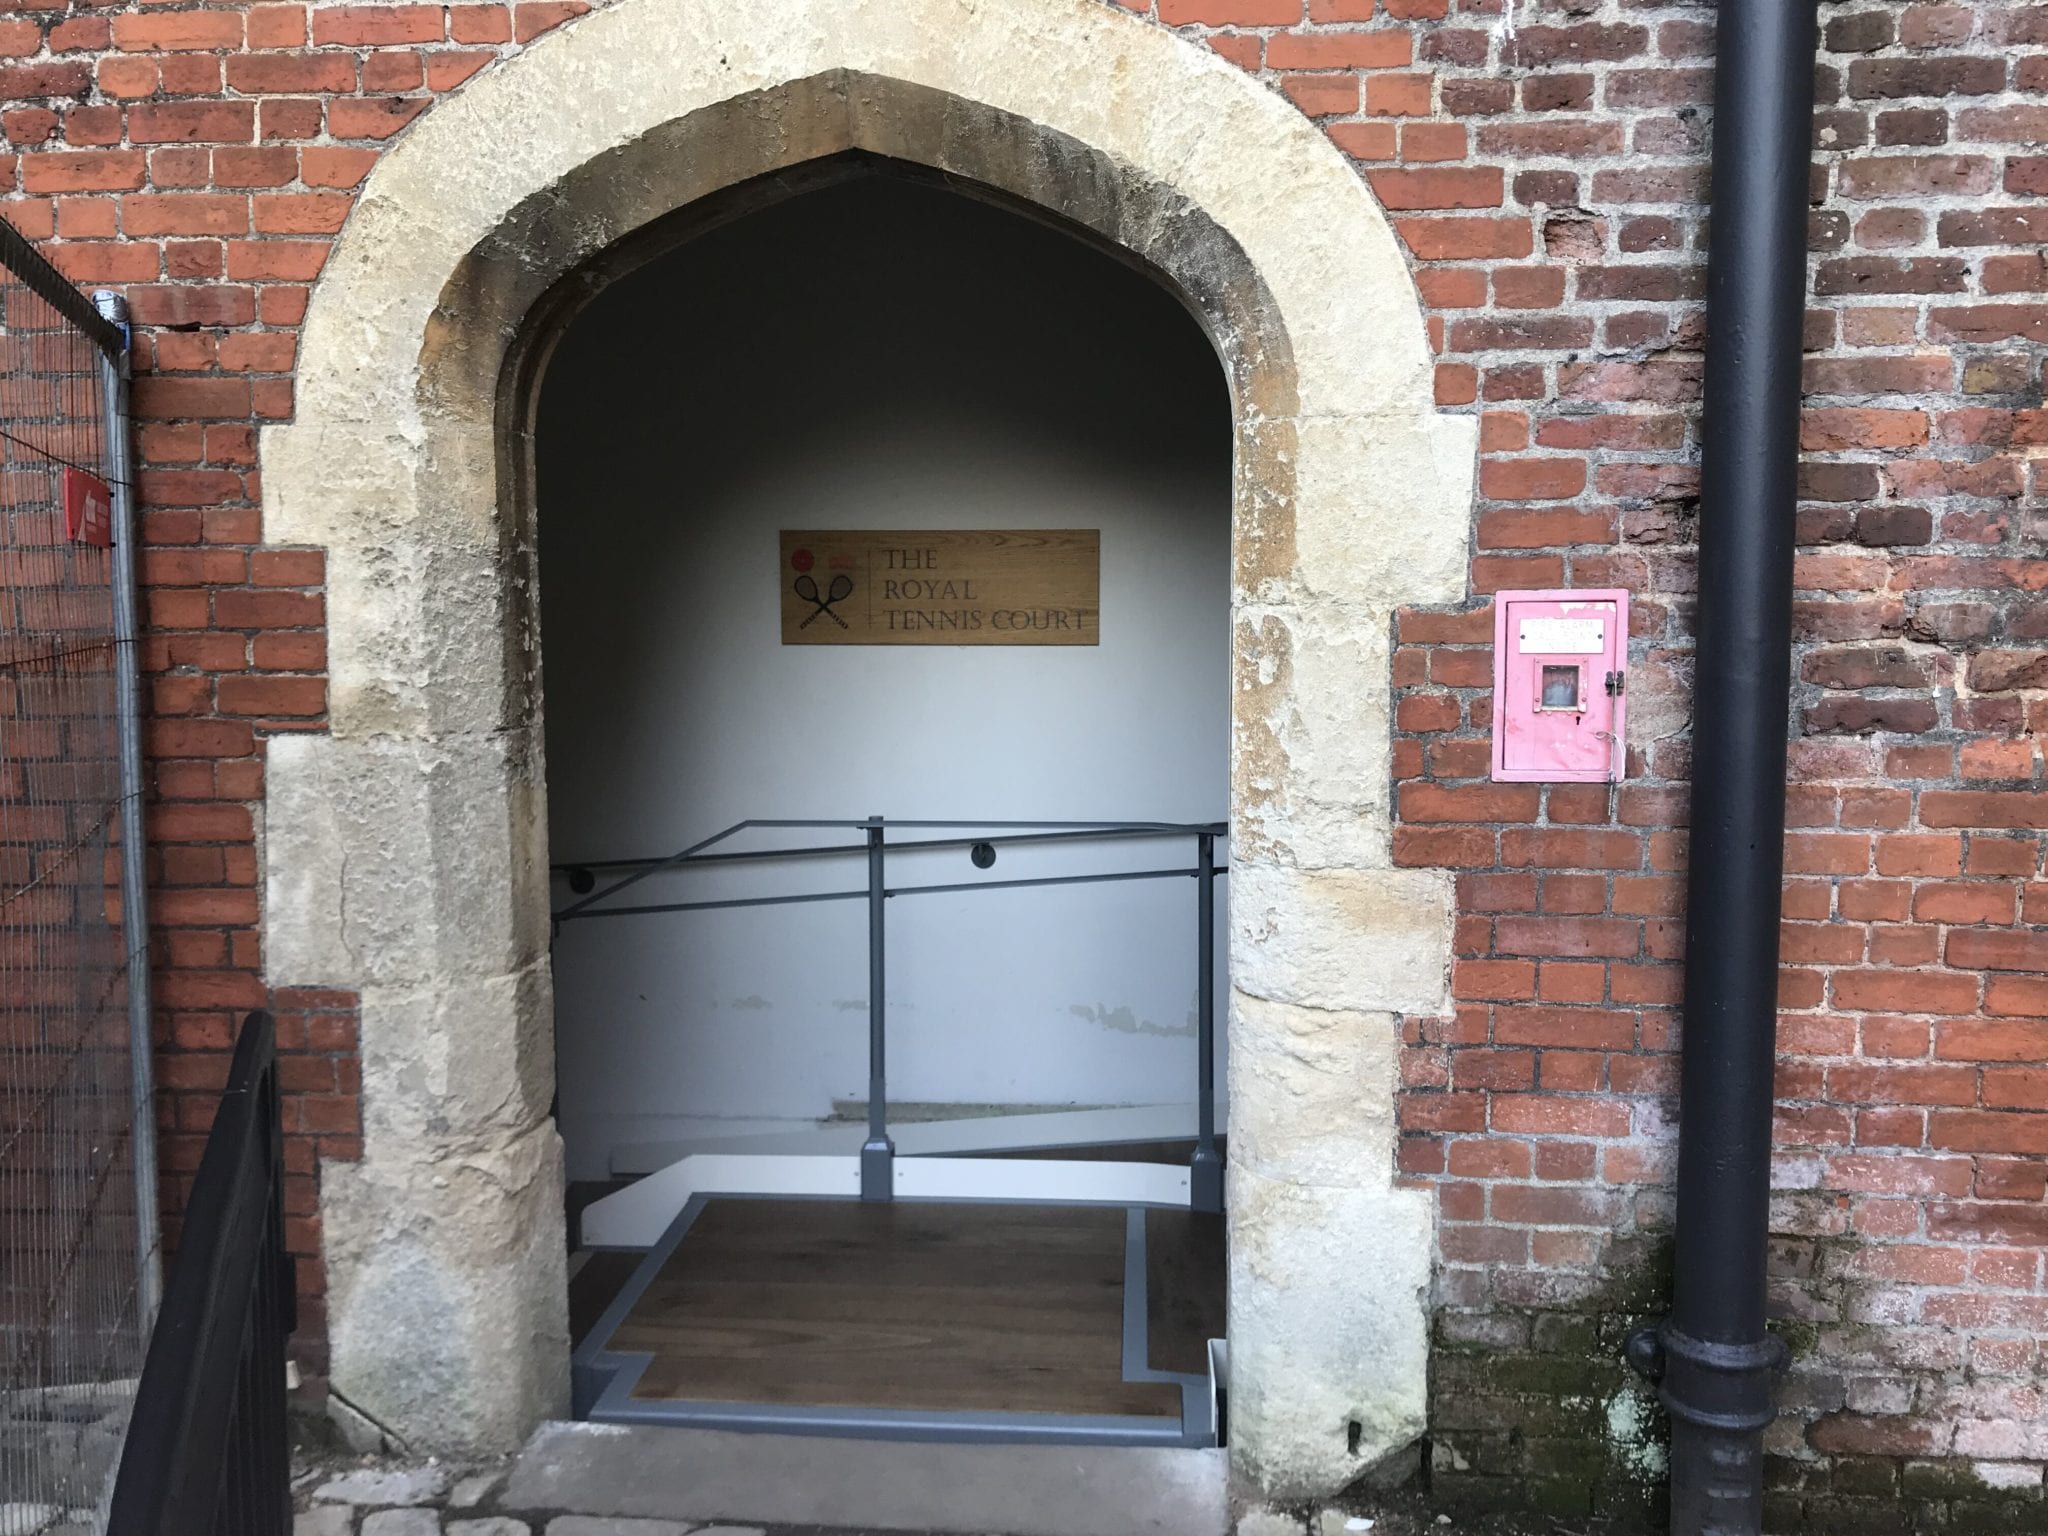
{"x":875,"y":355}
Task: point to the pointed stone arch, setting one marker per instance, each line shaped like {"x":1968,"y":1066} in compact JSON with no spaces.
{"x":405,"y":850}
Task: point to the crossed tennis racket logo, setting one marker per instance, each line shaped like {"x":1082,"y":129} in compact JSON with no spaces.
{"x":806,"y":588}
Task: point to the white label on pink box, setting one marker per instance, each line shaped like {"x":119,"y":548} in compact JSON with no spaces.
{"x":1559,"y":701}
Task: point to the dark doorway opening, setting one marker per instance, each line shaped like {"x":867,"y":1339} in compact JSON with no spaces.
{"x":884,"y":352}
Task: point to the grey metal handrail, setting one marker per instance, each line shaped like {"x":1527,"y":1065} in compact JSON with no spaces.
{"x":588,"y":867}
{"x":878,"y":1152}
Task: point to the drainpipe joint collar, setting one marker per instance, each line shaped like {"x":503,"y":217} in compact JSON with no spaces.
{"x":1715,"y":1386}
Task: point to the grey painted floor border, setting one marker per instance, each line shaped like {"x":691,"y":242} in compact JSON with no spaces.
{"x":1197,"y":1416}
{"x":596,"y":1372}
{"x":773,"y":1479}
{"x":602,"y":1379}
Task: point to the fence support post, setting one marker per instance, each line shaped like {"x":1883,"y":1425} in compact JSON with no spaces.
{"x":134,"y":850}
{"x":1205,"y":1169}
{"x":877,"y":1153}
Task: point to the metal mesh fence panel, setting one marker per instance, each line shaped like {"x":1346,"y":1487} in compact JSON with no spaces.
{"x":74,"y":1296}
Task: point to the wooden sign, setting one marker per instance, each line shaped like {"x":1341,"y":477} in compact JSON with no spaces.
{"x":1016,"y":586}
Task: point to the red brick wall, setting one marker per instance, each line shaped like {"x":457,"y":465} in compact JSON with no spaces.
{"x":201,"y":159}
{"x":1544,"y":166}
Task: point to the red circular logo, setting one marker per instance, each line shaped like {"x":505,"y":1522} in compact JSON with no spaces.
{"x":803,"y":559}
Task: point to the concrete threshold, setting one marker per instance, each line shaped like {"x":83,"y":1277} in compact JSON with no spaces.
{"x":791,"y":1480}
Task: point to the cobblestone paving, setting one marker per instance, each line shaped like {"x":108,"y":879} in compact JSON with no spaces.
{"x":387,"y":1499}
{"x":435,"y":1500}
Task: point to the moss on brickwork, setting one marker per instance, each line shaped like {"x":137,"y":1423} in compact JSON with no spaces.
{"x":1859,"y":1444}
{"x":1893,"y":1496}
{"x":1533,"y":1410}
{"x":1801,"y":1338}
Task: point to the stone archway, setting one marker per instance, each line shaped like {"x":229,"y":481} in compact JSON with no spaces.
{"x":404,"y":851}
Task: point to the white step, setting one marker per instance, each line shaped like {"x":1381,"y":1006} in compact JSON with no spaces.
{"x":637,"y":1216}
{"x":935,"y":1138}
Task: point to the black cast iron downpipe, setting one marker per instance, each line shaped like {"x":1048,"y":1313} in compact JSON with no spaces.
{"x":1714,"y":1363}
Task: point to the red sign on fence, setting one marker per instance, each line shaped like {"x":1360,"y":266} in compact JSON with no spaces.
{"x":88,"y":509}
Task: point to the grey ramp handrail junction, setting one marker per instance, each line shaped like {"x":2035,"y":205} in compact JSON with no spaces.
{"x":878,"y":1153}
{"x":994,"y":833}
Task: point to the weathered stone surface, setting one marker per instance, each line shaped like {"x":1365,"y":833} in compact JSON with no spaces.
{"x":402,"y":1522}
{"x":1263,"y":554}
{"x":1328,"y":1328}
{"x":325,"y":1520}
{"x":1311,"y":1092}
{"x":385,"y":1485}
{"x":1368,"y":940}
{"x":1383,"y":506}
{"x":447,"y":1287}
{"x":497,"y":1525}
{"x":405,"y":855}
{"x":1311,"y":780}
{"x":425,"y":655}
{"x":356,"y":1431}
{"x":589,"y":1525}
{"x":405,"y":862}
{"x":471,"y":1491}
{"x":471,"y":1060}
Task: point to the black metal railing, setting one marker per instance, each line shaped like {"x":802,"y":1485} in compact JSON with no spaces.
{"x":877,"y":1158}
{"x":208,"y":1451}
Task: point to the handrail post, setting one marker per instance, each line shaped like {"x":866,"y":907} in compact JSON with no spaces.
{"x":877,"y":1153}
{"x":1205,"y":1168}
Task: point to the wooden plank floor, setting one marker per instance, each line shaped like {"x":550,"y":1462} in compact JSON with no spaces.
{"x":902,"y":1305}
